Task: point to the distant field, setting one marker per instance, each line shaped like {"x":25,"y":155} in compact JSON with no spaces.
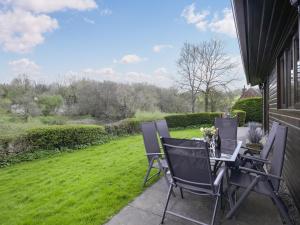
{"x":13,"y":125}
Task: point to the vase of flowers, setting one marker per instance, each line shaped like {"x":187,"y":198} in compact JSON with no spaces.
{"x":208,"y":133}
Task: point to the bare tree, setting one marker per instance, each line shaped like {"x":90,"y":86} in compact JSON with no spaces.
{"x":189,"y":67}
{"x":217,"y":68}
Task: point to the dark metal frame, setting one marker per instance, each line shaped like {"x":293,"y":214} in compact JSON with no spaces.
{"x":265,"y":183}
{"x":212,"y":188}
{"x":162,"y":128}
{"x":153,"y":153}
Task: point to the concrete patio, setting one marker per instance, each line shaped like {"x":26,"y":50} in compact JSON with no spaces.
{"x":147,"y":208}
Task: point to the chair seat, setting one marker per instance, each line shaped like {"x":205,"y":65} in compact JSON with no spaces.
{"x":243,"y":180}
{"x":163,"y":163}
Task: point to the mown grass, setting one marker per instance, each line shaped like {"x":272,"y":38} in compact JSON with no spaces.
{"x":83,"y":187}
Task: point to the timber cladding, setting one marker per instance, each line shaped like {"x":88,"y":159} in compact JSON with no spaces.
{"x":291,"y":119}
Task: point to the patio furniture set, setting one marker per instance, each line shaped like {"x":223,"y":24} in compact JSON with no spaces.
{"x":220,"y":171}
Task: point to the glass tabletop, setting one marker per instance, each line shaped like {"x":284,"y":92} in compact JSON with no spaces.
{"x":228,"y":152}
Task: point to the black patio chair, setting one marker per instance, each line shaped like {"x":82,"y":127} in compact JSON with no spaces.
{"x":153,"y":153}
{"x":162,"y":128}
{"x":190,"y":170}
{"x":227,"y":127}
{"x":258,"y":161}
{"x":265,"y":183}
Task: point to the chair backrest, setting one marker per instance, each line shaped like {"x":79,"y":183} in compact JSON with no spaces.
{"x":162,"y":128}
{"x":150,"y":139}
{"x":271,"y":137}
{"x":189,"y":163}
{"x":278,"y":154}
{"x":227,"y":127}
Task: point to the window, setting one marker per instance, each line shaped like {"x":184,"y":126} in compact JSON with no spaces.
{"x":289,"y":76}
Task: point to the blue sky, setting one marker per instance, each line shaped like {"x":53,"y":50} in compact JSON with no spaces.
{"x":119,"y":40}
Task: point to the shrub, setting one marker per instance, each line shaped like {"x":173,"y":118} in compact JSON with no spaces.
{"x":241,"y":116}
{"x":253,"y":108}
{"x":65,"y":136}
{"x":192,"y":119}
{"x":53,"y":138}
{"x":125,"y":127}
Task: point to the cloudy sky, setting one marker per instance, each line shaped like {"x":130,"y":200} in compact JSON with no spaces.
{"x":118,"y":40}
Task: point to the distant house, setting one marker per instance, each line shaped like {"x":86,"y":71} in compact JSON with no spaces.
{"x":250,"y":93}
{"x":268,"y":32}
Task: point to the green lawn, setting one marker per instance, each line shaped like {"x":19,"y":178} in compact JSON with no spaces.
{"x":84,"y":187}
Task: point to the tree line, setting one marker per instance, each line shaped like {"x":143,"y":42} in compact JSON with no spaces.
{"x":103,"y":100}
{"x":204,"y":69}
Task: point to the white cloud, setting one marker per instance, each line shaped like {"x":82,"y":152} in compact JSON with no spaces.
{"x":105,"y":12}
{"x":199,"y":19}
{"x":107,"y":71}
{"x":219,"y":24}
{"x":224,"y":25}
{"x":48,"y":6}
{"x":131,"y":58}
{"x":87,"y":20}
{"x":24,"y":66}
{"x":20,"y":31}
{"x":23,"y":23}
{"x":161,"y":71}
{"x":159,"y":48}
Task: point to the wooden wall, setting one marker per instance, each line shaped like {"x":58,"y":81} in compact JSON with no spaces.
{"x":291,"y":119}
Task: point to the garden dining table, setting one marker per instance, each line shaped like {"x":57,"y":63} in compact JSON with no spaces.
{"x":227,"y":153}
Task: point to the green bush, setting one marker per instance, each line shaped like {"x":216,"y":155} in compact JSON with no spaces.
{"x":253,"y":108}
{"x":241,"y":115}
{"x":125,"y":127}
{"x":191,"y":119}
{"x":65,"y":136}
{"x":53,"y":138}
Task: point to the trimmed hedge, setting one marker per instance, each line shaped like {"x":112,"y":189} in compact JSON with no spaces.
{"x":51,"y":138}
{"x":191,"y":119}
{"x":253,"y":108}
{"x":241,"y":116}
{"x":66,"y":136}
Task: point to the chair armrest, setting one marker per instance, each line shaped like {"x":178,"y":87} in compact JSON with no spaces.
{"x":253,"y":158}
{"x":249,"y":148}
{"x":260,"y":173}
{"x":219,"y":176}
{"x":153,"y":154}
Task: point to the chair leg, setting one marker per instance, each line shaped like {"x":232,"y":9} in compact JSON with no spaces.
{"x":242,"y":198}
{"x":181,"y":193}
{"x":282,"y":209}
{"x":166,"y":205}
{"x":147,"y":173}
{"x":215,"y":208}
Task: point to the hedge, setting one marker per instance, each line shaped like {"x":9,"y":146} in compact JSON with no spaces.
{"x":58,"y":137}
{"x":241,"y":116}
{"x":125,"y":127}
{"x":65,"y":136}
{"x":191,"y":119}
{"x":253,"y":108}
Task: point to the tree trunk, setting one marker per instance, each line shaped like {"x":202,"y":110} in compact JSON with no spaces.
{"x":206,"y":101}
{"x":193,"y":104}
